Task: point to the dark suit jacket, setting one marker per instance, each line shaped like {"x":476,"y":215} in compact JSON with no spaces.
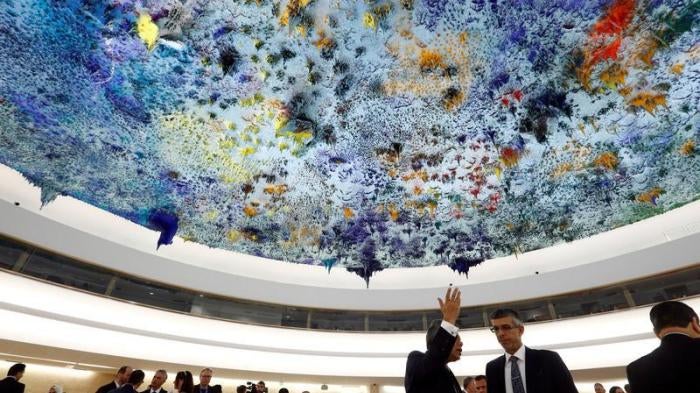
{"x":672,"y":367}
{"x":126,"y":388}
{"x":212,"y":389}
{"x":11,"y":385}
{"x":107,"y":388}
{"x":428,"y":372}
{"x":545,"y":372}
{"x":159,"y":391}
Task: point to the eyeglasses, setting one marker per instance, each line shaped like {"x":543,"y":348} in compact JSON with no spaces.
{"x":505,"y":328}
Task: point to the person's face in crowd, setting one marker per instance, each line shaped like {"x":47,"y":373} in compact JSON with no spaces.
{"x":19,"y":375}
{"x":178,"y":384}
{"x":480,"y":386}
{"x":261,"y":387}
{"x":598,"y":388}
{"x":456,"y":350}
{"x":471,"y":387}
{"x":52,"y":390}
{"x":205,"y":378}
{"x":124,"y":378}
{"x":508,"y":334}
{"x":158,"y":380}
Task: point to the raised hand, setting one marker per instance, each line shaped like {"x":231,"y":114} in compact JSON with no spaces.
{"x":450,"y":306}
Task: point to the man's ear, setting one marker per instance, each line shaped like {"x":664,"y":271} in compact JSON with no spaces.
{"x":695,"y":327}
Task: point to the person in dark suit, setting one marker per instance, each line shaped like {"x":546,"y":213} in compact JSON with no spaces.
{"x":428,"y":372}
{"x":157,"y":382}
{"x":675,"y":365}
{"x":132,"y":384}
{"x":120,"y":379}
{"x":522,"y":369}
{"x":11,"y":383}
{"x":204,"y":379}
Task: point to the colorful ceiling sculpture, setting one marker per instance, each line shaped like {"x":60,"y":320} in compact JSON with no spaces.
{"x":366,"y":135}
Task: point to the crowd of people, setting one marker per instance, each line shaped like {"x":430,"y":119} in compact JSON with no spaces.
{"x":671,"y":367}
{"x":128,"y":380}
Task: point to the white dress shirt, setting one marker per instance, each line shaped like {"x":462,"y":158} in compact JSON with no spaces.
{"x":520,"y":354}
{"x":452,"y":329}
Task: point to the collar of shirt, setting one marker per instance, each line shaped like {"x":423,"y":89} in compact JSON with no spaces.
{"x":520,"y":354}
{"x":117,"y":383}
{"x":672,"y":333}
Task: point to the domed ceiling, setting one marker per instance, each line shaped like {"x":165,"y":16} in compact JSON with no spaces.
{"x":365,"y":135}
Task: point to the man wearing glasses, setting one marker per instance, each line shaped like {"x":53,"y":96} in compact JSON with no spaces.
{"x":522,"y":369}
{"x":428,"y":372}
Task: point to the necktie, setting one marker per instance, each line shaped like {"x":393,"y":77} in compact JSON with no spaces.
{"x":515,"y":378}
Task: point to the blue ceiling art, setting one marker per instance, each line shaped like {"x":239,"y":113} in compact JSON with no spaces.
{"x":362,"y":135}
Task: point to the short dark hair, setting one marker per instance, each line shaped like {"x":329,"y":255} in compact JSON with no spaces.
{"x":122,"y":369}
{"x":284,"y":390}
{"x":480,"y":378}
{"x":507,"y":312}
{"x":614,"y":389}
{"x":16,"y":369}
{"x":241,"y":389}
{"x":136,"y":377}
{"x":261,"y":383}
{"x":467,"y":381}
{"x":671,"y":314}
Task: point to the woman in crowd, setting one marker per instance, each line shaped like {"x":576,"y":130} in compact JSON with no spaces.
{"x":183,"y":382}
{"x":616,"y":389}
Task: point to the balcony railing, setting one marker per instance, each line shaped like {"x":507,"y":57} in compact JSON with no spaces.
{"x":35,"y":262}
